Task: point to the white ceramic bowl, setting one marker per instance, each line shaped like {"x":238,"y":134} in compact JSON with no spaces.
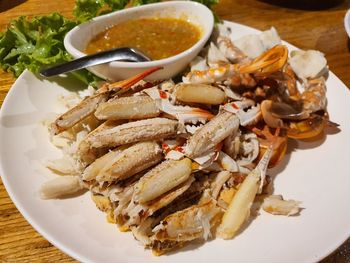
{"x":77,"y":39}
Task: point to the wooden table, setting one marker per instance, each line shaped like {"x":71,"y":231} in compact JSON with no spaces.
{"x":312,"y":27}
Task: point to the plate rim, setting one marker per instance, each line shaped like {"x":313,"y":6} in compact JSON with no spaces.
{"x":347,"y":22}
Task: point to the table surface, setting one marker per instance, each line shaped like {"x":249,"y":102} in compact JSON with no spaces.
{"x":316,"y":26}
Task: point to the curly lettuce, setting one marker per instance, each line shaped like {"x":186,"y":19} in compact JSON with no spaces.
{"x":37,"y":43}
{"x":87,"y":9}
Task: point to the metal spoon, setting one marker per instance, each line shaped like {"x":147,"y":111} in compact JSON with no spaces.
{"x":117,"y":54}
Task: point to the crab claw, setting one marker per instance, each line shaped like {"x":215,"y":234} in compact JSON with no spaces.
{"x":246,"y":110}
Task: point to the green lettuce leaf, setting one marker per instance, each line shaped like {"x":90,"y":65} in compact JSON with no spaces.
{"x":85,"y":10}
{"x":37,"y":43}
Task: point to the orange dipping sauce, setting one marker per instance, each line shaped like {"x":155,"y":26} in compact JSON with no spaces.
{"x":158,"y":38}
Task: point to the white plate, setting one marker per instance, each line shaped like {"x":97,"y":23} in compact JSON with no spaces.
{"x":316,"y":173}
{"x":347,"y":22}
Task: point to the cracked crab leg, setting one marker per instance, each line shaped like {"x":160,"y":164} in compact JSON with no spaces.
{"x":239,"y":208}
{"x":137,"y":107}
{"x":188,"y":224}
{"x":199,"y":93}
{"x":143,"y":130}
{"x":77,"y":113}
{"x":131,"y":161}
{"x":88,"y":105}
{"x":212,"y":133}
{"x":85,"y":151}
{"x":92,"y":171}
{"x":162,"y":178}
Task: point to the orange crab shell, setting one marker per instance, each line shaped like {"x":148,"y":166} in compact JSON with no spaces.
{"x":307,"y":129}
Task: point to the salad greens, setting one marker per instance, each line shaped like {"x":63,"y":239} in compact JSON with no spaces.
{"x":88,"y":9}
{"x":38,"y":43}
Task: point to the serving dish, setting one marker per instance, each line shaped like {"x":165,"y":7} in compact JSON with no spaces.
{"x":76,"y":40}
{"x":308,"y":174}
{"x":347,"y":22}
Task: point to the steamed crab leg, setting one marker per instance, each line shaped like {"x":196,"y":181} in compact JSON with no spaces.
{"x":131,"y":161}
{"x":189,"y":224}
{"x":212,"y":133}
{"x":89,"y":105}
{"x":121,"y":164}
{"x":143,"y":130}
{"x":137,"y":107}
{"x":162,"y":178}
{"x":199,"y":93}
{"x":77,"y":113}
{"x":239,"y":208}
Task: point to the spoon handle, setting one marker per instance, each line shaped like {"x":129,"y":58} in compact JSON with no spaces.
{"x":118,"y":54}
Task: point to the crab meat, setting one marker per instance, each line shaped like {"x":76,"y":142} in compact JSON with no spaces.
{"x":215,"y":57}
{"x":162,"y":178}
{"x":199,"y":93}
{"x":251,"y":45}
{"x":270,"y":38}
{"x":143,"y":130}
{"x":239,"y":208}
{"x":61,"y":187}
{"x":77,"y":113}
{"x":188,"y":224}
{"x":227,"y":163}
{"x":276,"y":205}
{"x":167,"y":198}
{"x":219,"y":181}
{"x":136,"y":107}
{"x":314,"y":97}
{"x":85,"y":152}
{"x":249,"y":149}
{"x":199,"y":63}
{"x":184,"y":114}
{"x":136,"y":212}
{"x":212,"y":133}
{"x":308,"y":64}
{"x":230,"y":51}
{"x":131,"y":161}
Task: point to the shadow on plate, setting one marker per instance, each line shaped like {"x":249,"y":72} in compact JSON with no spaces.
{"x":6,"y":4}
{"x":306,"y":4}
{"x":67,"y":81}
